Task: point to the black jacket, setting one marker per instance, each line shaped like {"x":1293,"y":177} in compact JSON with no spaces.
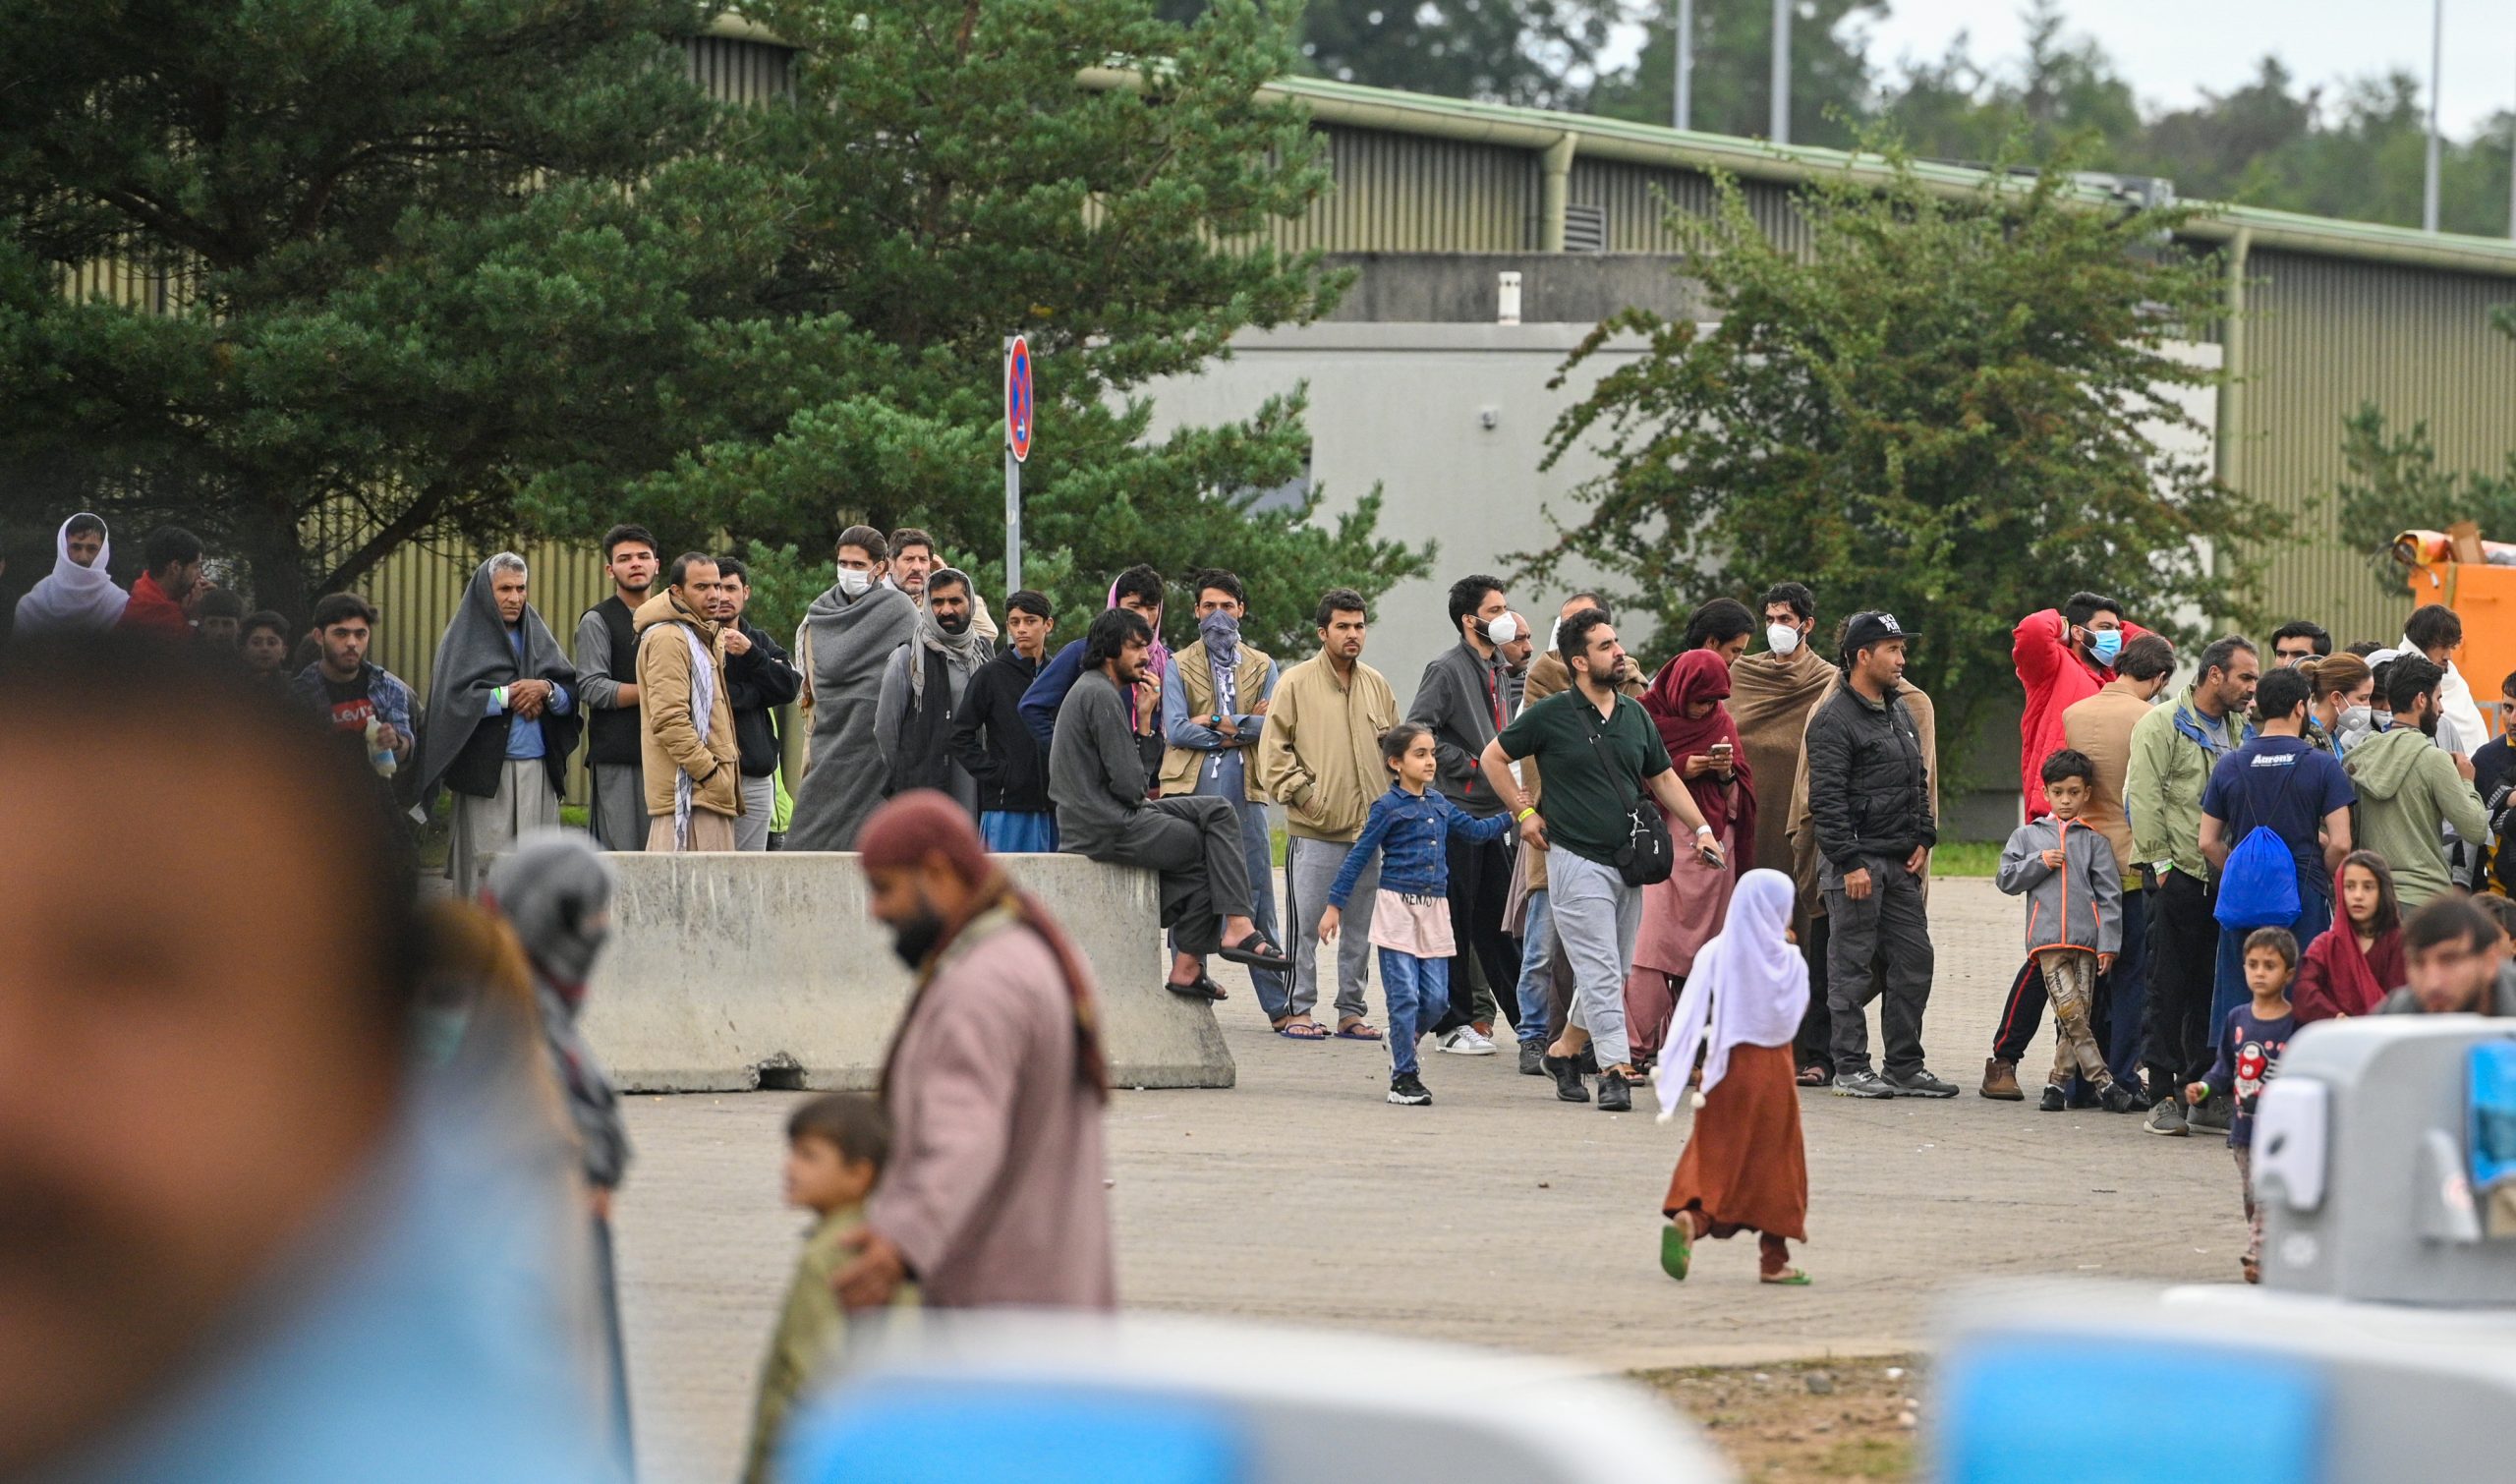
{"x":1868,"y":792}
{"x":756,"y":685}
{"x":992,"y":743}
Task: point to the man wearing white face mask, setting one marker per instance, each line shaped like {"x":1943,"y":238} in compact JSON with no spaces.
{"x":1466,"y":699}
{"x":1771,"y":695}
{"x":848,"y":638}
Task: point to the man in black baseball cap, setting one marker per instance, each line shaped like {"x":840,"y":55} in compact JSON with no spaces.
{"x":1869,"y":800}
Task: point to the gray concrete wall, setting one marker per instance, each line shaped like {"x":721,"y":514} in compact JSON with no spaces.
{"x":723,"y":966}
{"x":1556,"y":288}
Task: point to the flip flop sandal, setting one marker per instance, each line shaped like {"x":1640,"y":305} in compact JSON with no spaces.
{"x":1256,"y":951}
{"x":1194,"y":989}
{"x":1813,"y":1076}
{"x":1357,"y":1031}
{"x":1676,"y":1249}
{"x":1302,"y":1030}
{"x":1787,"y":1278}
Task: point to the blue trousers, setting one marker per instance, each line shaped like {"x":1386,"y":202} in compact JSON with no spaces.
{"x":1536,"y":988}
{"x":2227,"y":985}
{"x":1418,"y":991}
{"x":1019,"y":832}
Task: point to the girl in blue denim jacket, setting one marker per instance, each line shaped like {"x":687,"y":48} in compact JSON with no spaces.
{"x":1412,"y":827}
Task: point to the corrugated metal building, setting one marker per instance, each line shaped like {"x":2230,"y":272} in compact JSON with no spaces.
{"x":2340,"y":313}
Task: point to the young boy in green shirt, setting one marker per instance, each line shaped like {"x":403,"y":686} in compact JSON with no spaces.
{"x":836,"y":1145}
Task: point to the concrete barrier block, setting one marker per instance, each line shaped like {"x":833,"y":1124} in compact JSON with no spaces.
{"x":723,"y":967}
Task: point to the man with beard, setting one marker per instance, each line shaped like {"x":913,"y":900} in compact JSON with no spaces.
{"x":913,"y":564}
{"x":996,"y":749}
{"x":606,"y":660}
{"x":1464,"y":699}
{"x":173,"y":556}
{"x":995,"y":1193}
{"x":368,"y":705}
{"x":759,"y":679}
{"x":1096,"y":777}
{"x":686,"y":719}
{"x":847,"y":637}
{"x":80,"y":594}
{"x":2407,"y":784}
{"x":1771,"y":695}
{"x":501,"y":718}
{"x":922,"y":691}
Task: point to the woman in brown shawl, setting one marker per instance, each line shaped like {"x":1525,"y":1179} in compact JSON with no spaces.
{"x":1682,"y":913}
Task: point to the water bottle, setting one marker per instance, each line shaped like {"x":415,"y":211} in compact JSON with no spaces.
{"x":378,"y":756}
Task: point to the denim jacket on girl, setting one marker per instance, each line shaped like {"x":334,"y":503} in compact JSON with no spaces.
{"x":1411,"y":830}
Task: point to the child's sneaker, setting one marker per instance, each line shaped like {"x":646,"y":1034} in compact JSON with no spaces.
{"x":2120,"y":1099}
{"x":1408,"y":1089}
{"x":2055,"y":1100}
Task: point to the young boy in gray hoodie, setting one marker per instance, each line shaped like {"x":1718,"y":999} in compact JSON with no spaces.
{"x":2065,"y":868}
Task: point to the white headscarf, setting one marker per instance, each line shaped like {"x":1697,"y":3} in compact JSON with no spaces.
{"x":73,"y":597}
{"x":1750,"y":988}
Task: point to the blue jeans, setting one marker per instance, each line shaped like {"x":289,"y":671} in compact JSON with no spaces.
{"x":2127,"y":990}
{"x":1537,"y":944}
{"x":1418,"y":991}
{"x":1019,"y":832}
{"x":2227,"y":988}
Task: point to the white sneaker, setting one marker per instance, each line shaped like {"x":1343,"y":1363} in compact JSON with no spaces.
{"x":1464,"y":1042}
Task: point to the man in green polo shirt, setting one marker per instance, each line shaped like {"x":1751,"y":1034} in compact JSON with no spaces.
{"x":1598,"y":752}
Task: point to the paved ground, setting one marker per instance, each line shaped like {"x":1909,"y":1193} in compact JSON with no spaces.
{"x":1497,"y":1217}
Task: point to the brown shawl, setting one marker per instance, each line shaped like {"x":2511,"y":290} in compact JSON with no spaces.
{"x":1770,"y":701}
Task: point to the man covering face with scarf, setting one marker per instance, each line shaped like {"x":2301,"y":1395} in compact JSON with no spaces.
{"x":921,"y":690}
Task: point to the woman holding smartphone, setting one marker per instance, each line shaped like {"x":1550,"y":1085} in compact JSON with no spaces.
{"x":1685,"y":912}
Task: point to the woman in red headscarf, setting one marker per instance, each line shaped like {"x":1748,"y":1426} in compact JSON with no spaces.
{"x":1682,"y":913}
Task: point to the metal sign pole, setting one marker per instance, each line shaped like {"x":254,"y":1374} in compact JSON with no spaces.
{"x":1012,"y":520}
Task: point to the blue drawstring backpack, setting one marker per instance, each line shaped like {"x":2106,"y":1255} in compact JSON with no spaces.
{"x":2258,"y":886}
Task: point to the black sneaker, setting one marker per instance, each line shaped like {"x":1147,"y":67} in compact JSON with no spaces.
{"x":2054,"y":1100}
{"x":1532,"y":1058}
{"x":1616,"y":1095}
{"x":1588,"y":1061}
{"x":1568,"y":1079}
{"x":1408,"y":1089}
{"x":2120,"y":1099}
{"x":1863,"y":1083}
{"x":1921,"y":1084}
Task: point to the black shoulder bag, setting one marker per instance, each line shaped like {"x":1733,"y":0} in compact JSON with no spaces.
{"x":1648,"y":854}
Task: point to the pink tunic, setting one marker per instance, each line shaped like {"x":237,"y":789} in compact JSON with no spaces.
{"x":1682,"y":913}
{"x":1415,"y":925}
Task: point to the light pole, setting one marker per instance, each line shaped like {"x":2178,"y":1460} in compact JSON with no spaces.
{"x":1779,"y":130}
{"x":1683,"y":113}
{"x":2436,"y":71}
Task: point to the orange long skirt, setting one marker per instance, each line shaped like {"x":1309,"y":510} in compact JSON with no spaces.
{"x":1744,"y":1166}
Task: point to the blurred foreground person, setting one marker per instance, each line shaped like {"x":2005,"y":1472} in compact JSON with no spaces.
{"x":238,"y":1239}
{"x":995,"y":1081}
{"x":556,"y":890}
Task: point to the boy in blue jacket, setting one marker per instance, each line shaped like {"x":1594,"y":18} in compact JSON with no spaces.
{"x":1411,"y":916}
{"x":2065,"y":868}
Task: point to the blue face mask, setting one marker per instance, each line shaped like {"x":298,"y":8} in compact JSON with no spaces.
{"x":2105,"y":644}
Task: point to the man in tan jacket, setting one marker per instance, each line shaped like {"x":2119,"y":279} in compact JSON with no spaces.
{"x":1319,"y":756}
{"x":686,"y":720}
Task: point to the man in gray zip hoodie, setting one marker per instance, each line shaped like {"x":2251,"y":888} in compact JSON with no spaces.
{"x":2065,"y":868}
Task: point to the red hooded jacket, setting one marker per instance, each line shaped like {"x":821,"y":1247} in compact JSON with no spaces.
{"x":2056,"y":679}
{"x":152,"y":609}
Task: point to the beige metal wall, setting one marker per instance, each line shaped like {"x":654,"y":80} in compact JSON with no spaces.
{"x":1398,"y":193}
{"x":1637,"y":200}
{"x":2327,"y":336}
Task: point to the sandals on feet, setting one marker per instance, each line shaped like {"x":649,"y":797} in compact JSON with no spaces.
{"x":1787,"y":1278}
{"x":1257,"y":951}
{"x":1199,"y":988}
{"x":1356,"y":1030}
{"x":1813,"y":1076}
{"x":1302,"y":1030}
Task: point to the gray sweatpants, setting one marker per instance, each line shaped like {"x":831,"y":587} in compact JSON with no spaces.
{"x":1596,"y":918}
{"x":618,"y":812}
{"x":490,"y":827}
{"x":760,"y":801}
{"x":1891,"y":925}
{"x":1194,"y":841}
{"x":1310,"y":869}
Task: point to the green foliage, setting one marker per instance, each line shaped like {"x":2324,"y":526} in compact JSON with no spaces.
{"x":939,"y":182}
{"x":390,"y":262}
{"x":1832,"y":86}
{"x":1943,"y":408}
{"x":1535,"y":52}
{"x":2394,"y":484}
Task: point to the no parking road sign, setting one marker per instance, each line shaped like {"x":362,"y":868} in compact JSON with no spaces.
{"x":1017,"y":397}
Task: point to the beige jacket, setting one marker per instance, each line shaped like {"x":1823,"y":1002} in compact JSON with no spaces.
{"x":1319,"y":755}
{"x":1179,"y":764}
{"x":2102,"y":727}
{"x":668,"y":739}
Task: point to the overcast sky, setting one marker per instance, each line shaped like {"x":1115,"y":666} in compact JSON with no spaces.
{"x":2171,"y":50}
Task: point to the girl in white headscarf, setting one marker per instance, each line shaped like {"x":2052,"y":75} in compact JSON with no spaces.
{"x":1743,"y":1169}
{"x":79,"y":594}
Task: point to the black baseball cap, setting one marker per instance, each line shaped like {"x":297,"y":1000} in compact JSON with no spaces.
{"x":1872,"y":627}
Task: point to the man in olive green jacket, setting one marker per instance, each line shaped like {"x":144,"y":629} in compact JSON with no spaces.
{"x":2173,"y":750}
{"x":1319,"y":756}
{"x":2407,"y":784}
